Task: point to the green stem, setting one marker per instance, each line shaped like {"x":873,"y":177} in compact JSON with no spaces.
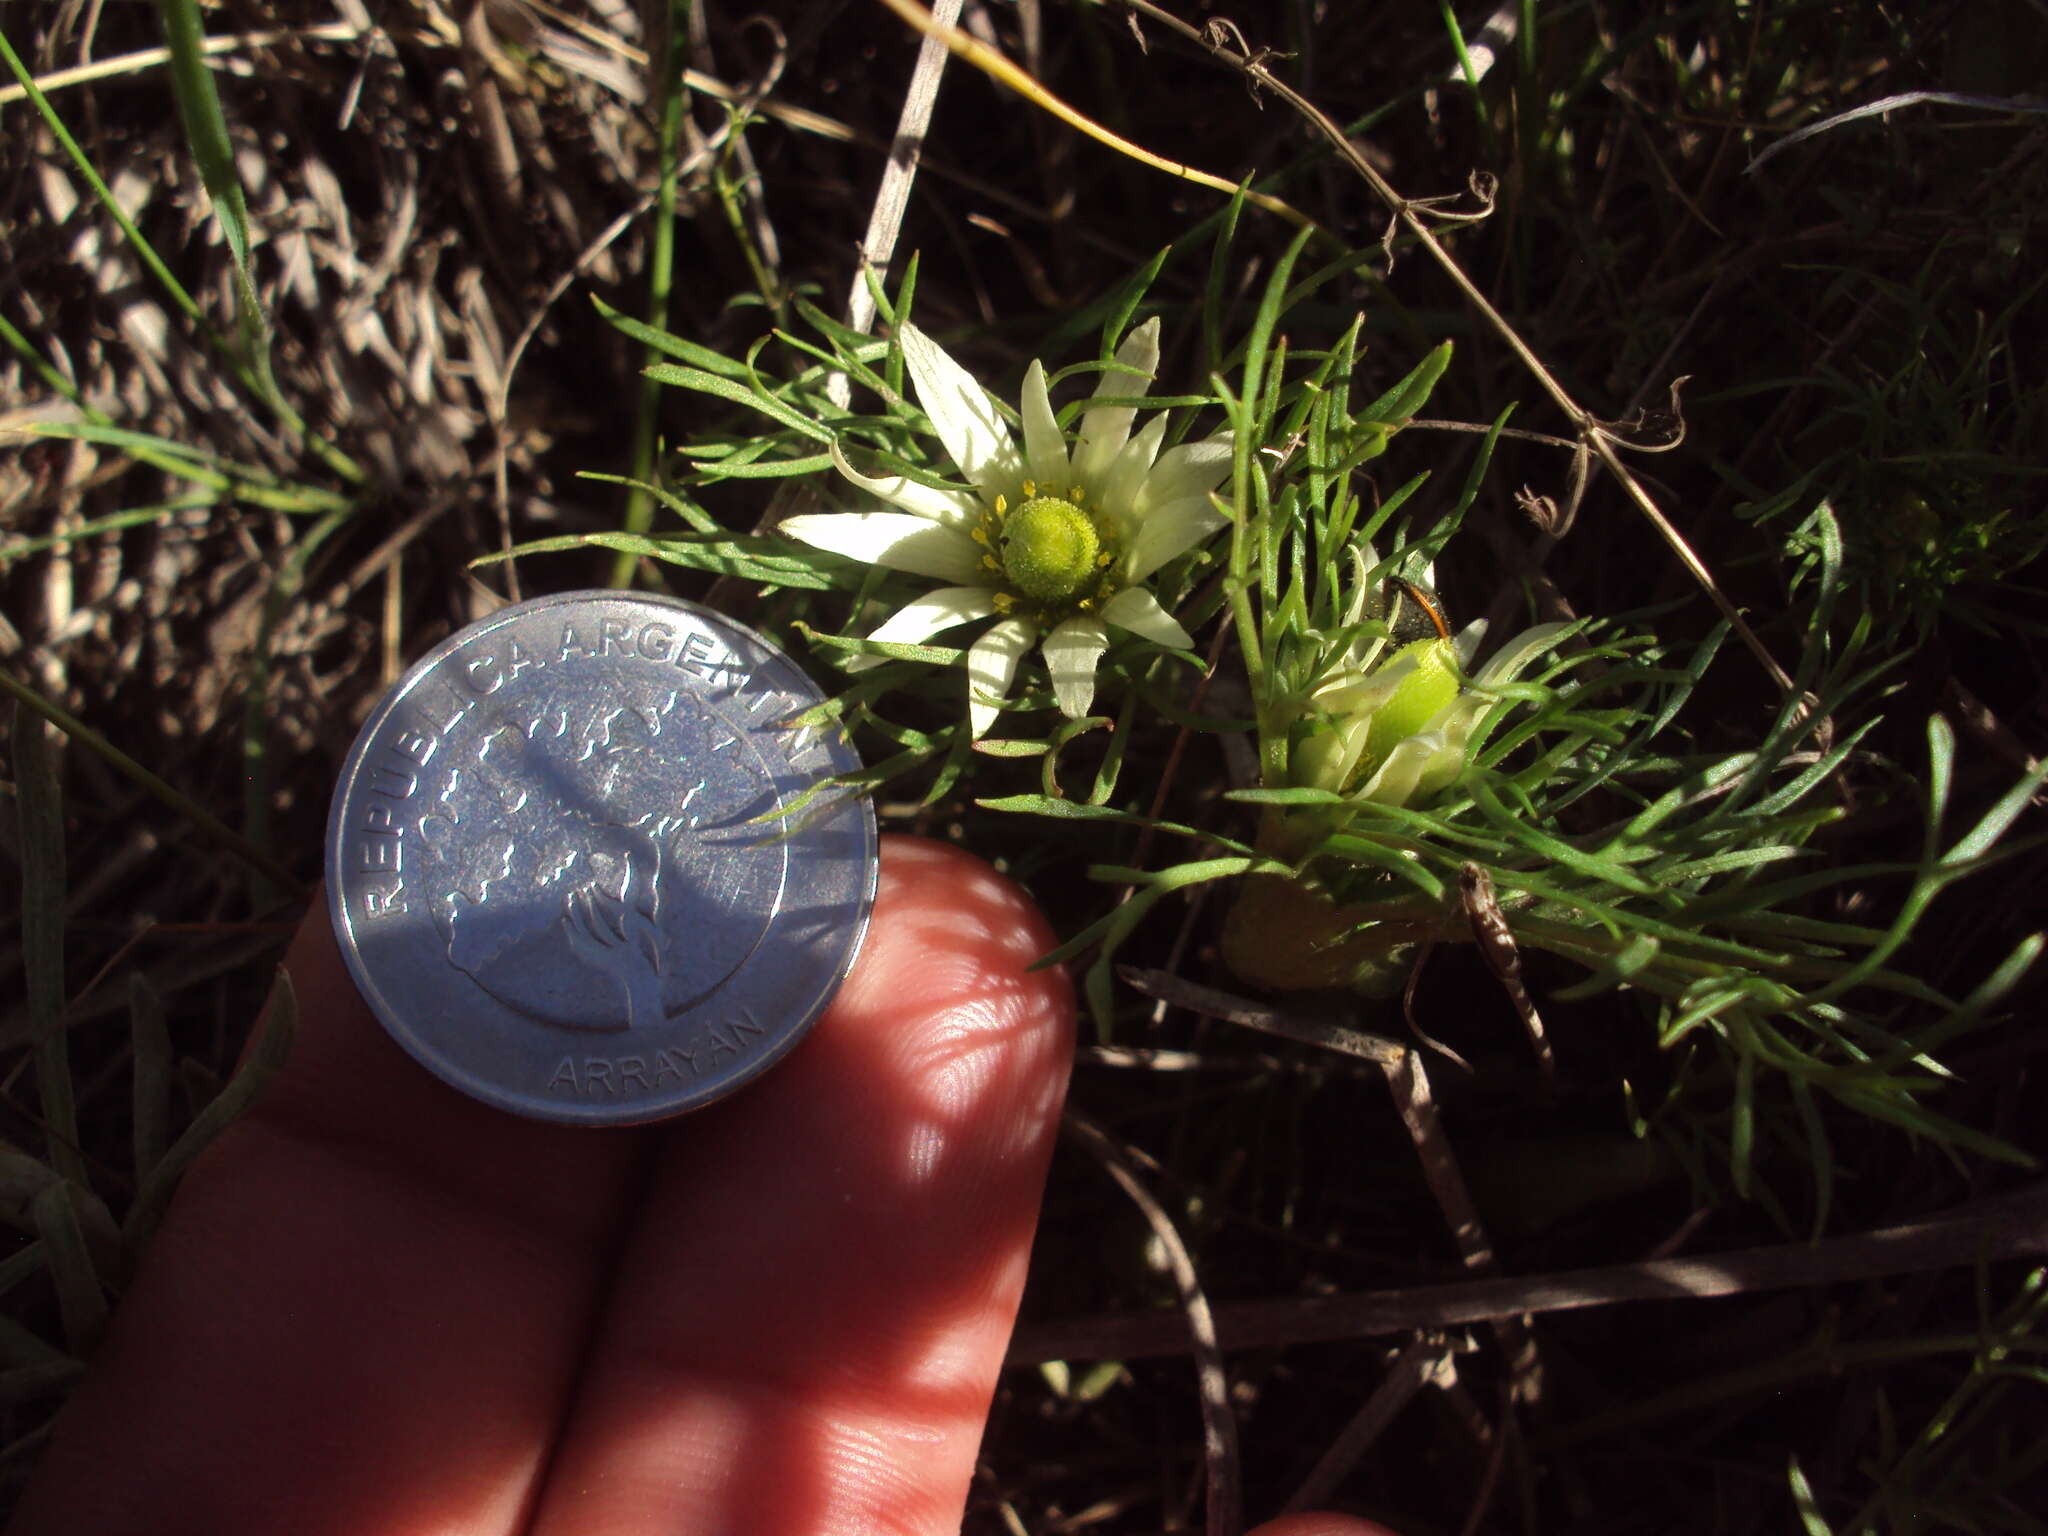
{"x":45,"y":370}
{"x":675,"y":102}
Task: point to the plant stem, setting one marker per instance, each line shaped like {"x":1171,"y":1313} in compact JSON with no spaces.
{"x":661,"y":257}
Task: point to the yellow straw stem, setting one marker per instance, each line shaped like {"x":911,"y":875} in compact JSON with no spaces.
{"x":966,"y":46}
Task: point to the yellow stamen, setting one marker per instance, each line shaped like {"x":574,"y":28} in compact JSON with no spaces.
{"x":1002,"y":505}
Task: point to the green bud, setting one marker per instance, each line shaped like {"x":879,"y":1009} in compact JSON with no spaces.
{"x":1423,"y":695}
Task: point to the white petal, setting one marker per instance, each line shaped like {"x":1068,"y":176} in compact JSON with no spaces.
{"x":1117,"y":495}
{"x":1519,"y":650}
{"x":1138,"y":610}
{"x":1421,"y":765}
{"x":1045,"y":445}
{"x":991,"y":664}
{"x":1189,"y":470}
{"x":900,"y":540}
{"x":961,"y":413}
{"x":1071,"y":652}
{"x":953,"y":507}
{"x":1467,"y":642}
{"x":1395,"y":782}
{"x":1455,"y":729}
{"x":1326,"y":759}
{"x":1105,"y":429}
{"x":1171,"y":530}
{"x":1352,"y":693}
{"x":917,"y":621}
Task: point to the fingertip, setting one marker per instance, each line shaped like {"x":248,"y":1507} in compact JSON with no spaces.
{"x":945,"y":1032}
{"x":1320,"y":1524}
{"x":826,"y":1283}
{"x":934,"y":896}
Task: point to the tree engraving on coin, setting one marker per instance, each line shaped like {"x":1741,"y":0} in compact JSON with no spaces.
{"x":562,"y":825}
{"x":573,"y":855}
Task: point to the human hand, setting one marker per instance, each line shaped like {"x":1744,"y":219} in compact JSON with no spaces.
{"x":378,"y":1306}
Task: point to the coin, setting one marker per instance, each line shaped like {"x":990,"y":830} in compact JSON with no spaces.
{"x":573,"y":867}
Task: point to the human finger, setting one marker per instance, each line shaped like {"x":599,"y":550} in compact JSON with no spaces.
{"x":362,"y":1313}
{"x":812,"y":1310}
{"x":1320,"y":1525}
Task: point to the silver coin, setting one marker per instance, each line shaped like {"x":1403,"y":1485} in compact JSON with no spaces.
{"x":572,"y":867}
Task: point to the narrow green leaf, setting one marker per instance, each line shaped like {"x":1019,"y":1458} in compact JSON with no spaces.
{"x":1559,"y":851}
{"x":1994,"y":823}
{"x":766,"y":469}
{"x":231,"y":481}
{"x":1401,"y":402}
{"x":958,"y":748}
{"x":280,"y":1022}
{"x":739,"y":394}
{"x":125,"y":765}
{"x":81,"y":1299}
{"x":895,"y":314}
{"x":1941,"y":767}
{"x":1008,"y":747}
{"x":667,"y":341}
{"x":1067,"y":732}
{"x":1218,"y":290}
{"x":1259,"y":339}
{"x":40,"y":807}
{"x":845,"y":645}
{"x":82,"y":163}
{"x":206,"y":126}
{"x":681,"y":505}
{"x":748,"y":558}
{"x":150,"y":1078}
{"x":1820,"y":1154}
{"x":1286,"y":796}
{"x":1057,"y":809}
{"x":1804,"y":1503}
{"x":113,"y":522}
{"x":43,"y":369}
{"x":1113,"y":759}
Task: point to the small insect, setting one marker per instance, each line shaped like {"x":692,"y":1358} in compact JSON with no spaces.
{"x":1411,"y":612}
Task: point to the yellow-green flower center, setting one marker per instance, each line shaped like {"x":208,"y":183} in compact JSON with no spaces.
{"x":1049,"y":548}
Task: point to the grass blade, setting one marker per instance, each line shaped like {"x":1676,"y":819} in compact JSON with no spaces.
{"x":150,"y":1091}
{"x":41,"y":809}
{"x":81,"y":1299}
{"x":176,"y":799}
{"x":279,"y":1024}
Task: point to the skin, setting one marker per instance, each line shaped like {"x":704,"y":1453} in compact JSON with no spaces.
{"x":377,"y":1306}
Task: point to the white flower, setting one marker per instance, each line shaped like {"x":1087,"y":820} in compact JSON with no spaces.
{"x":1053,"y":544}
